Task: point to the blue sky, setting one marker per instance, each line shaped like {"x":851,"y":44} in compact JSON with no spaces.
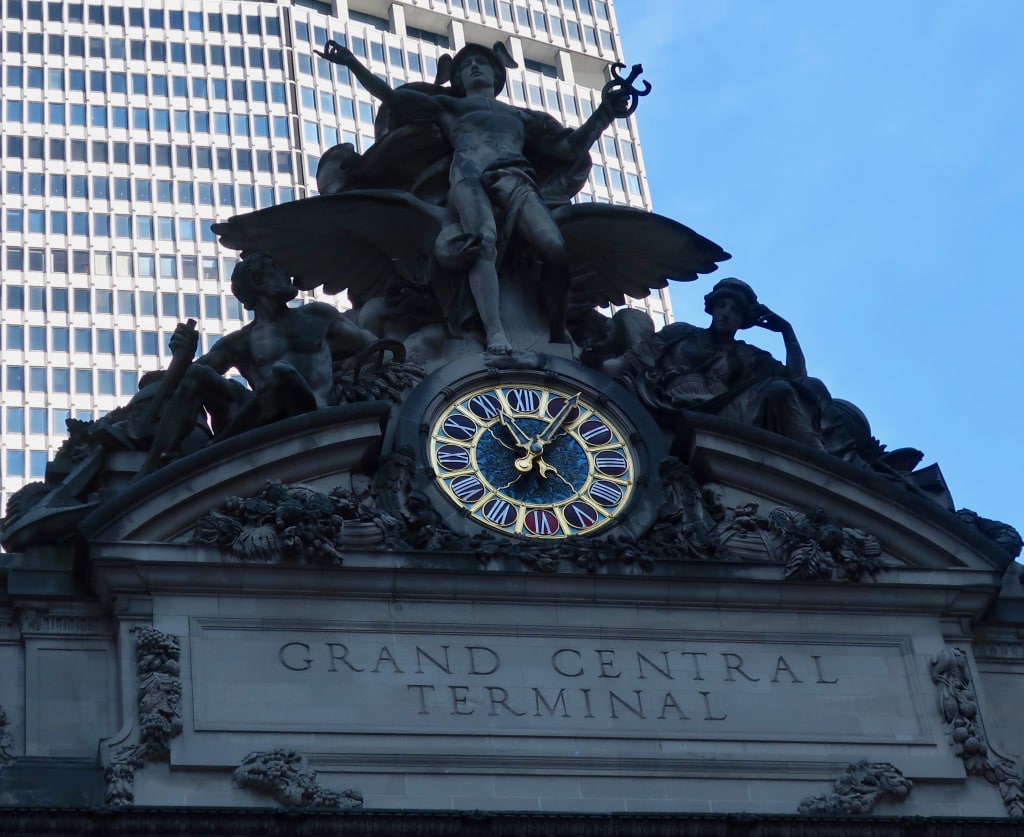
{"x":864,"y":164}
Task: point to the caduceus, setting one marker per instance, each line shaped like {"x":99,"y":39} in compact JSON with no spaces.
{"x":620,"y":94}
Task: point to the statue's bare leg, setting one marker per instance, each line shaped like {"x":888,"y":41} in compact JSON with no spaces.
{"x":282,"y":393}
{"x":536,"y":225}
{"x":476,"y":215}
{"x":201,"y":387}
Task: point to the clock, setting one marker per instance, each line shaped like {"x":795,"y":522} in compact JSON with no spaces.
{"x":543,"y":450}
{"x":533,"y":458}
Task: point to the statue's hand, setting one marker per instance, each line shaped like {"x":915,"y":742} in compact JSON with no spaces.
{"x":336,"y":54}
{"x":185,"y":339}
{"x":619,"y":102}
{"x":766,"y":318}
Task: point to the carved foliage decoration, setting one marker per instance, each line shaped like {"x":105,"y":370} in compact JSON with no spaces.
{"x":818,"y":547}
{"x":958,"y":704}
{"x":697,"y":523}
{"x":858,"y":789}
{"x":298,"y":524}
{"x":6,"y":741}
{"x":387,"y":382}
{"x":158,"y":661}
{"x":285,"y":776}
{"x":295,"y":523}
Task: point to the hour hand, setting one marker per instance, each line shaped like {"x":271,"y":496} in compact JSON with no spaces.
{"x":522,"y":439}
{"x":546,"y":469}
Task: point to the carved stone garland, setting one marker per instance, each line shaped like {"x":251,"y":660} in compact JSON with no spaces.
{"x":285,"y":776}
{"x":958,"y":704}
{"x":6,"y":741}
{"x":858,"y":789}
{"x":158,"y":660}
{"x":298,"y":524}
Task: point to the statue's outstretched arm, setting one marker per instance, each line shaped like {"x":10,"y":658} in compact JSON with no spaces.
{"x":338,"y":54}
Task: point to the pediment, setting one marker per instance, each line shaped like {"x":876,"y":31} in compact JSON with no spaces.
{"x":753,"y":466}
{"x":318,"y":449}
{"x":733,"y":496}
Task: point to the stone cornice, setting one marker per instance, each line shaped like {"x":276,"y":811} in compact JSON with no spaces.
{"x":140,"y":568}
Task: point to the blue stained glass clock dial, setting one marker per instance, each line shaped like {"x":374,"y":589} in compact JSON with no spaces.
{"x":538,"y":461}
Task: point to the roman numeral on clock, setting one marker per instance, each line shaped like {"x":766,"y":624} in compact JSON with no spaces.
{"x":541,"y":522}
{"x":606,"y":493}
{"x":595,"y":432}
{"x":523,"y":400}
{"x":460,"y":427}
{"x":452,"y":457}
{"x":500,"y":512}
{"x":610,"y":462}
{"x":485,"y":405}
{"x":468,"y":489}
{"x":580,"y":515}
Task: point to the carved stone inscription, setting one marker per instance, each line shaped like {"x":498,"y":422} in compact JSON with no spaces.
{"x":358,"y":680}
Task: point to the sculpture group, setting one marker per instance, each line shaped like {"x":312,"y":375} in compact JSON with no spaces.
{"x":456,"y":235}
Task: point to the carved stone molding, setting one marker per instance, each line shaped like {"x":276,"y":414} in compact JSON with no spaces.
{"x":858,"y":789}
{"x":39,"y":619}
{"x":285,"y":776}
{"x":958,"y":704}
{"x":6,"y":741}
{"x":999,"y":650}
{"x":157,"y":659}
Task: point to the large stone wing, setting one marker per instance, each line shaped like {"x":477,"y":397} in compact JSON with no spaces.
{"x":618,"y":251}
{"x":359,"y":240}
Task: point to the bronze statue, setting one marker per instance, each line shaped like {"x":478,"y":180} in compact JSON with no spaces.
{"x":287,"y":355}
{"x":418,"y":228}
{"x":685,"y":367}
{"x":491,"y":176}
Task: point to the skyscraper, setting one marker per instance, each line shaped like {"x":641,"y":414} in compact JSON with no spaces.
{"x":127,"y":128}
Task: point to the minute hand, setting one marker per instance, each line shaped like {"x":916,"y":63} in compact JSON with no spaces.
{"x":548,"y":433}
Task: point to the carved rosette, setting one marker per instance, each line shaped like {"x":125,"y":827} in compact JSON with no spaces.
{"x":6,"y":741}
{"x":858,"y":790}
{"x":285,"y":776}
{"x":158,"y":663}
{"x":958,"y":704}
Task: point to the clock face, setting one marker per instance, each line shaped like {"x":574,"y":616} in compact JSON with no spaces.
{"x":540,"y":461}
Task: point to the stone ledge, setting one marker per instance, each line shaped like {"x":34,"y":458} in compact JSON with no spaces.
{"x":95,"y":822}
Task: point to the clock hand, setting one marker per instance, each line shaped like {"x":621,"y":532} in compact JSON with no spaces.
{"x":548,"y":433}
{"x":533,"y":449}
{"x":545,"y":469}
{"x":530,"y":445}
{"x":536,"y":445}
{"x":521,"y":438}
